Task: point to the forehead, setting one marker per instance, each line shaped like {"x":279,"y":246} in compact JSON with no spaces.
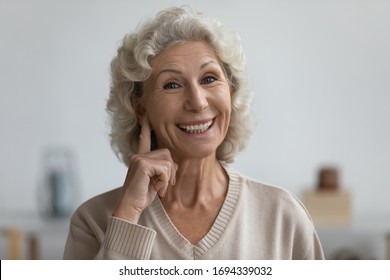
{"x":192,"y":52}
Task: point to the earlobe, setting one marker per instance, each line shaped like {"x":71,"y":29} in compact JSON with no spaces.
{"x":140,"y":110}
{"x":138,"y":107}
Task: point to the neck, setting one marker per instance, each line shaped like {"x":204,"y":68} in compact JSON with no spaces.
{"x":198,"y":182}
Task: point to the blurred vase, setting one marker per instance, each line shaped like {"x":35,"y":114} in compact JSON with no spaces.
{"x":58,"y":187}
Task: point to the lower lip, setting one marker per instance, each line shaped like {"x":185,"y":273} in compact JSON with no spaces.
{"x":201,"y":134}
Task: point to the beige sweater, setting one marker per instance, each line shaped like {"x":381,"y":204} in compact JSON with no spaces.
{"x":257,"y":221}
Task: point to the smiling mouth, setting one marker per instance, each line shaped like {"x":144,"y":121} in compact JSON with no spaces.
{"x":196,"y":128}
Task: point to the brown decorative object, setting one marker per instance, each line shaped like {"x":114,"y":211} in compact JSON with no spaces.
{"x":14,"y":237}
{"x":328,"y":179}
{"x":33,"y":247}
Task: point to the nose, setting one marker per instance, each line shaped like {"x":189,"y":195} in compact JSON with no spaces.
{"x":196,"y":99}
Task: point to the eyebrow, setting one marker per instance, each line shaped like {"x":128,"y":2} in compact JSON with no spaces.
{"x":208,"y":63}
{"x":179,"y":72}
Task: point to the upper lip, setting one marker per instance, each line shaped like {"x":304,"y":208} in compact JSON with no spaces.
{"x":196,"y":122}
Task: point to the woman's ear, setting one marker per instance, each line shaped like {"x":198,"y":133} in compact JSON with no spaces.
{"x":140,"y":110}
{"x":137,"y":104}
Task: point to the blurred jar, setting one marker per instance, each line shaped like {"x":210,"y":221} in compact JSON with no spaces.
{"x":58,"y":186}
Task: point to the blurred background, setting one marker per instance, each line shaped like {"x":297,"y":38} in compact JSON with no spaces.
{"x":320,"y":73}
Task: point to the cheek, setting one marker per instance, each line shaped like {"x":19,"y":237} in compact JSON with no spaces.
{"x":225,"y":107}
{"x":152,"y":102}
{"x":224,"y":101}
{"x":160,"y":109}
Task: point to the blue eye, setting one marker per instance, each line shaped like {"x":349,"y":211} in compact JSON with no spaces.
{"x":208,"y":80}
{"x":171,"y":86}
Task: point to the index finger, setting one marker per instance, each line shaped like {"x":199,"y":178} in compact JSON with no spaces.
{"x":145,"y":135}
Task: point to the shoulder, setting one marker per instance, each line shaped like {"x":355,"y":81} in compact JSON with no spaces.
{"x":280,"y":214}
{"x":96,"y":210}
{"x":269,"y":197}
{"x":102,"y":202}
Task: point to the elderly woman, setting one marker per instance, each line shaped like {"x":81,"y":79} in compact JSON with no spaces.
{"x":180,"y":111}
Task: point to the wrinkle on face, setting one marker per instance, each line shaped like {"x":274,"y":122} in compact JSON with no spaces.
{"x":185,"y":65}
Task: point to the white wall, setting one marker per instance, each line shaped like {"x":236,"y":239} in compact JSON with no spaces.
{"x":320,"y":72}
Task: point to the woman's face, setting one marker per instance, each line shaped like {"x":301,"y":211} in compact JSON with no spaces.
{"x":187,"y":100}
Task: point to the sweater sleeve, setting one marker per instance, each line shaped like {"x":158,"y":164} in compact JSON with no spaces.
{"x":120,"y":240}
{"x":124,"y":240}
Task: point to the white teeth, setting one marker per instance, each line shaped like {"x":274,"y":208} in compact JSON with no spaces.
{"x":197,"y":128}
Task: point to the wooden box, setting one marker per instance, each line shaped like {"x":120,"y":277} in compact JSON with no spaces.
{"x":329,"y":207}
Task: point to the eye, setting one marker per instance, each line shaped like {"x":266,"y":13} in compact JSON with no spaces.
{"x":171,"y":85}
{"x":208,"y":80}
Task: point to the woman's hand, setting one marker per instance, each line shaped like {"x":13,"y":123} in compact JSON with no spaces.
{"x":149,"y":173}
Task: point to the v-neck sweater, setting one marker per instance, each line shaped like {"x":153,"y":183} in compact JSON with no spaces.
{"x":256,"y":221}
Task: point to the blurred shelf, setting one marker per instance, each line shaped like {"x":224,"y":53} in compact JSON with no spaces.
{"x":365,"y":237}
{"x":23,"y":232}
{"x":368,"y":223}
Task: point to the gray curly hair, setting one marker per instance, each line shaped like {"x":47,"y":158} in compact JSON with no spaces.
{"x":131,"y":67}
